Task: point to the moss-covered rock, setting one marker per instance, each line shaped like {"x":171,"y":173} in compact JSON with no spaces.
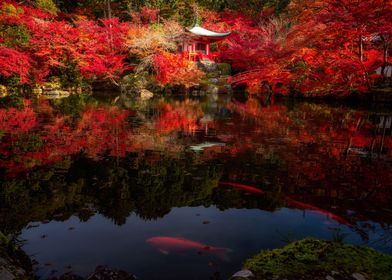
{"x":14,"y":263}
{"x":3,"y":91}
{"x":224,"y":68}
{"x":52,"y":84}
{"x":316,"y":259}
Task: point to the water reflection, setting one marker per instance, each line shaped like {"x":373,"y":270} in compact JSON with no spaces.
{"x":215,"y":172}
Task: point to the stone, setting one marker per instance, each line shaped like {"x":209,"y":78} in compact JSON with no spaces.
{"x":224,"y":68}
{"x":243,"y":274}
{"x":5,"y":274}
{"x":358,"y":276}
{"x":37,"y":90}
{"x":3,"y":91}
{"x":68,"y":276}
{"x":145,"y":94}
{"x":105,"y":273}
{"x":207,"y":118}
{"x":56,"y":93}
{"x":213,"y":89}
{"x":10,"y":271}
{"x":207,"y":65}
{"x":100,"y":273}
{"x":225,"y":89}
{"x":213,"y":81}
{"x":329,"y":277}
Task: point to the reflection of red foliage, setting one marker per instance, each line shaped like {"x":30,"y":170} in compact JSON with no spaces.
{"x":99,"y":130}
{"x":353,"y":137}
{"x":183,"y":116}
{"x":39,"y":137}
{"x":16,"y":121}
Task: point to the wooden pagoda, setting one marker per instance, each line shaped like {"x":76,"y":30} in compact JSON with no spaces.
{"x":196,"y":42}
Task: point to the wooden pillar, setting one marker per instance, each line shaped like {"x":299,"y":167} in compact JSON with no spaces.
{"x":208,"y":48}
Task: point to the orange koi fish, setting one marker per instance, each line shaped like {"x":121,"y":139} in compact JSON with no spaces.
{"x":324,"y":212}
{"x":167,"y":244}
{"x":242,"y":187}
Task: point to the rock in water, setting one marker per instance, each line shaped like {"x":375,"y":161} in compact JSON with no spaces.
{"x":358,"y":276}
{"x":5,"y":274}
{"x":146,"y":94}
{"x":105,"y":273}
{"x":3,"y":91}
{"x":55,"y":93}
{"x":213,"y":89}
{"x":100,"y":273}
{"x":243,"y":274}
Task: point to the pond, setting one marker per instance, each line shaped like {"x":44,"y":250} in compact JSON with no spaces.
{"x":188,"y":188}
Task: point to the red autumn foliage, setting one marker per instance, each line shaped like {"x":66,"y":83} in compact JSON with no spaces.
{"x":319,"y":48}
{"x":102,"y":48}
{"x":96,"y":49}
{"x":316,"y":48}
{"x":146,"y":15}
{"x":14,"y":63}
{"x":176,"y":69}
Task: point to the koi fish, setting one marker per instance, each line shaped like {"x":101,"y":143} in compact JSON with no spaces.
{"x":200,"y":147}
{"x":242,"y":187}
{"x":324,"y":212}
{"x":167,"y":244}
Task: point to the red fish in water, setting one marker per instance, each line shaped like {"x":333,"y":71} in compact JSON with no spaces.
{"x":167,"y":244}
{"x":324,"y":212}
{"x":242,"y":187}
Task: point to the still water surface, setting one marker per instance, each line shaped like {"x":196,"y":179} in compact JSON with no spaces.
{"x":189,"y":188}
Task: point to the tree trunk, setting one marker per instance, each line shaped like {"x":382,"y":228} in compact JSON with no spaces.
{"x":360,"y":47}
{"x":385,"y":57}
{"x":109,"y":9}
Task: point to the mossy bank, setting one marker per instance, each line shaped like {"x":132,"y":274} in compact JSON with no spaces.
{"x":14,"y":263}
{"x":318,"y":259}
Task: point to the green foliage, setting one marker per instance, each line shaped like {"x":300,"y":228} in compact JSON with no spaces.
{"x":3,"y":239}
{"x":224,"y":68}
{"x":10,"y":10}
{"x":281,"y":5}
{"x":53,"y":83}
{"x":29,"y":143}
{"x":14,"y":35}
{"x":10,"y":101}
{"x":74,"y":105}
{"x":14,"y":260}
{"x":216,"y":5}
{"x":317,"y":257}
{"x":47,"y":5}
{"x":165,"y":4}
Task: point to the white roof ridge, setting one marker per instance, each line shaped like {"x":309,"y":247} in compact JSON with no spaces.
{"x":198,"y":30}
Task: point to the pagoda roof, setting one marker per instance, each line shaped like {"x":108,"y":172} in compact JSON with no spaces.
{"x":200,"y":31}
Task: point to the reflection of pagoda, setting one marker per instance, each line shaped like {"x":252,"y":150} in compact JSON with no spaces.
{"x":197,"y":40}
